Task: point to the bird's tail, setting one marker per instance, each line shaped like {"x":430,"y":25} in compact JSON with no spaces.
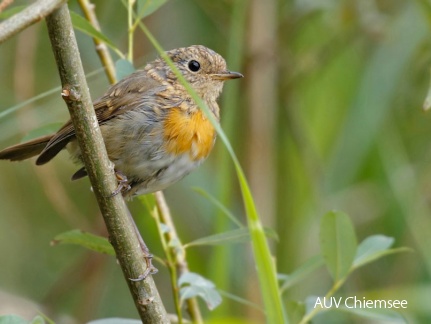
{"x":25,"y":150}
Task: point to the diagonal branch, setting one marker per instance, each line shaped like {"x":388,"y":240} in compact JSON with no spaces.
{"x":28,"y":16}
{"x":100,"y":170}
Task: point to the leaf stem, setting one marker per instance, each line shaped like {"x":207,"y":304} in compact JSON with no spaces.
{"x":307,"y":318}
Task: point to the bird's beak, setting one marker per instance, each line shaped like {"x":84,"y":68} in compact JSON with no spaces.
{"x":226,"y":75}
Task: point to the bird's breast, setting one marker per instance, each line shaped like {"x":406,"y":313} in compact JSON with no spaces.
{"x":188,"y":132}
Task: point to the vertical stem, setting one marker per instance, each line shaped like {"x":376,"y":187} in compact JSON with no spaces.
{"x":155,"y":212}
{"x":130,"y":28}
{"x":100,"y":170}
{"x":179,"y":262}
{"x":101,"y":48}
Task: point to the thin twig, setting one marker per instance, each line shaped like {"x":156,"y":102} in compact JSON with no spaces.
{"x":101,"y":48}
{"x":28,"y":16}
{"x":100,"y":170}
{"x":130,"y":30}
{"x":178,"y":252}
{"x":167,"y":247}
{"x":309,"y":316}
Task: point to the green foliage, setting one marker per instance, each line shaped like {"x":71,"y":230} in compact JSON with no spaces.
{"x":373,"y":248}
{"x":229,"y":237}
{"x":301,"y":273}
{"x":147,"y":7}
{"x":378,"y":84}
{"x":14,"y":319}
{"x":41,"y":131}
{"x":80,"y":23}
{"x":385,"y":315}
{"x":342,"y":255}
{"x":220,"y":206}
{"x":123,"y":68}
{"x":295,"y":311}
{"x":86,"y":240}
{"x":338,"y":243}
{"x":192,"y":284}
{"x":10,"y":12}
{"x":346,"y":131}
{"x":115,"y":321}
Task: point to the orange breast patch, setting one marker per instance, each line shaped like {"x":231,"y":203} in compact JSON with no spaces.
{"x":192,"y":133}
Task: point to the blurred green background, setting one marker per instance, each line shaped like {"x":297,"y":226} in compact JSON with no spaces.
{"x":328,"y":116}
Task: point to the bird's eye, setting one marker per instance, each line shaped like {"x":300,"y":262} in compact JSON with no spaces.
{"x":194,"y":66}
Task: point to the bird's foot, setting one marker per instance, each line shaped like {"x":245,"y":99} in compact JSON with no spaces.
{"x":123,"y":183}
{"x":150,"y":269}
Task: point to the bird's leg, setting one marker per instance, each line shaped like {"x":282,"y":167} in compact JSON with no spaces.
{"x":123,"y":183}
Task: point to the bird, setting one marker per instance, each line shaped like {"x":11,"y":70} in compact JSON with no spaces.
{"x":154,"y":132}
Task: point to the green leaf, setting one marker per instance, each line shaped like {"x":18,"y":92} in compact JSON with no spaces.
{"x":371,"y":246}
{"x":115,"y":320}
{"x":218,"y":204}
{"x":82,"y":24}
{"x":147,"y":7}
{"x":240,"y":300}
{"x":38,"y":320}
{"x":20,"y":105}
{"x":193,"y":285}
{"x":234,"y":236}
{"x":45,"y":318}
{"x":149,"y":201}
{"x":375,"y":95}
{"x":12,"y":319}
{"x":123,"y":68}
{"x":42,"y":131}
{"x":295,"y":311}
{"x":302,"y":272}
{"x":87,"y":240}
{"x":266,"y":270}
{"x":11,"y":11}
{"x":374,"y":247}
{"x":56,"y":90}
{"x":376,"y":314}
{"x":337,"y":243}
{"x":312,"y":302}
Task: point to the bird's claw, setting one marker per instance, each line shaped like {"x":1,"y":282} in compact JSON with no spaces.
{"x":149,"y":271}
{"x":123,"y":184}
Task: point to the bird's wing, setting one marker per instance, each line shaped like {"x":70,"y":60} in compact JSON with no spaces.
{"x":120,"y":98}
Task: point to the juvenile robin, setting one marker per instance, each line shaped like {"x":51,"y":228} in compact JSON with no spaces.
{"x":154,"y":132}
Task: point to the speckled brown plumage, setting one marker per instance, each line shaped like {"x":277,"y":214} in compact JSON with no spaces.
{"x":154,"y":132}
